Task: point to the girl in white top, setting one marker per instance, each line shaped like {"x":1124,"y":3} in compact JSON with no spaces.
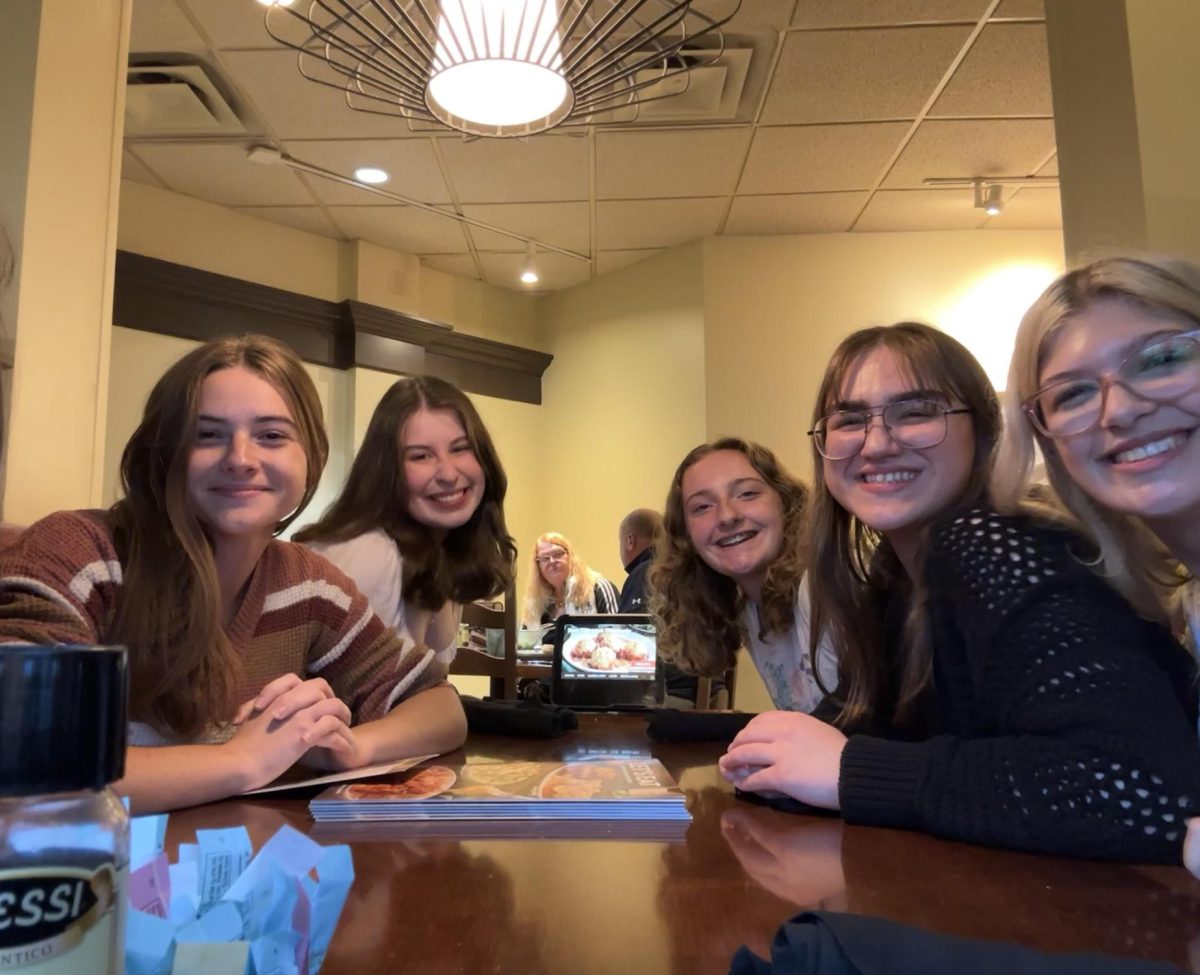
{"x":419,"y":525}
{"x":1105,"y":379}
{"x":728,"y":573}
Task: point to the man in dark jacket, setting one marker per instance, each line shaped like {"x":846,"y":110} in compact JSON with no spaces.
{"x":639,"y":531}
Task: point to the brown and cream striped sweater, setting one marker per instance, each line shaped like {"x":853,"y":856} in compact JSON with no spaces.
{"x":61,"y":583}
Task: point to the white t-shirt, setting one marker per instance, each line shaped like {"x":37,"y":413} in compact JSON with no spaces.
{"x":373,"y":561}
{"x":783,"y":661}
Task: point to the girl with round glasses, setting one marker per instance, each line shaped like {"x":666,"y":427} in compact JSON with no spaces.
{"x":991,"y":688}
{"x":562,"y":584}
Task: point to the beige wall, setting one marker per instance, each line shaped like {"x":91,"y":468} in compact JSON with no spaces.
{"x":623,"y":399}
{"x":776,"y":307}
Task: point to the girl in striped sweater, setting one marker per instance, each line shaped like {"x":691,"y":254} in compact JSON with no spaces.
{"x":246,"y":653}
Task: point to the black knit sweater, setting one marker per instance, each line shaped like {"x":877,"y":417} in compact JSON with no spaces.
{"x":1068,"y":722}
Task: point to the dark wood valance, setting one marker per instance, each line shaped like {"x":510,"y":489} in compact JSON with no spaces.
{"x":171,"y":299}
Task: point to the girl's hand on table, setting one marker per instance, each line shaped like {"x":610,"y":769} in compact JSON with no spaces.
{"x":787,"y":752}
{"x":265,"y":746}
{"x":286,"y":695}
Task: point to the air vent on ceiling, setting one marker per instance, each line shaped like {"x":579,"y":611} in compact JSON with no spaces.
{"x":172,"y":100}
{"x":709,"y":93}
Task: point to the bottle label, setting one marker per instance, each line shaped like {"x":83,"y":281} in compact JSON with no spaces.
{"x":61,"y":919}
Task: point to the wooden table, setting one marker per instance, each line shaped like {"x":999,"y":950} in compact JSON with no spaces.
{"x":584,"y":905}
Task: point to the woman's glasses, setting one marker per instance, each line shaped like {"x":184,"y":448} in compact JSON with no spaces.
{"x":551,"y":558}
{"x":915,"y":423}
{"x":1161,"y":371}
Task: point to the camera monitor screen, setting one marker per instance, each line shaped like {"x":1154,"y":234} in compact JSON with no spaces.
{"x":606,"y":662}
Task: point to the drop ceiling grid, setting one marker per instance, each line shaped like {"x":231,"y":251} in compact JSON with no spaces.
{"x":873,"y":111}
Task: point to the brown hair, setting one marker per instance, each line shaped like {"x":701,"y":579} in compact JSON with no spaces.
{"x":697,"y":609}
{"x":853,"y":569}
{"x":1131,"y":559}
{"x":475,"y":560}
{"x":184,"y":672}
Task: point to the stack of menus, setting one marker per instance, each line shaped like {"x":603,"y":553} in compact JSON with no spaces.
{"x":600,"y":788}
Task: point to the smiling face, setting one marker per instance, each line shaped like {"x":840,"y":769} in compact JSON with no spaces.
{"x":1142,"y":458}
{"x":442,"y":475}
{"x":893,"y":489}
{"x":247,"y":468}
{"x":734,"y":518}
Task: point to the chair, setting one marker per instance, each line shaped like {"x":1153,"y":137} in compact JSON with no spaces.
{"x":704,"y":688}
{"x":474,"y":663}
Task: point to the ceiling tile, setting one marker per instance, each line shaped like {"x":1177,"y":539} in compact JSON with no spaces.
{"x":1021,"y":8}
{"x":1006,"y":72}
{"x":807,"y":213}
{"x":296,"y":108}
{"x":562,"y":224}
{"x":159,"y":26}
{"x":132,"y":168}
{"x":555,"y":272}
{"x":608,"y":261}
{"x":241,"y":24}
{"x":1033,"y":208}
{"x":848,"y":76}
{"x":404,"y":229}
{"x":989,"y":147}
{"x":309,"y":219}
{"x":949,"y":209}
{"x":539,"y":169}
{"x":817,"y":158}
{"x":462,"y":265}
{"x":222,"y":174}
{"x":631,"y":224}
{"x":1051,"y":167}
{"x":413,"y":167}
{"x":688,"y":162}
{"x":855,"y":13}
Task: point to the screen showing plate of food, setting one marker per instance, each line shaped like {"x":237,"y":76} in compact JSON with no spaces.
{"x":609,"y":650}
{"x":423,"y":784}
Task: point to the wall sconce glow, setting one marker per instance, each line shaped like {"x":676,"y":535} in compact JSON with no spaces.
{"x":371,"y":174}
{"x":498,"y":65}
{"x":985,"y":315}
{"x":529,"y":273}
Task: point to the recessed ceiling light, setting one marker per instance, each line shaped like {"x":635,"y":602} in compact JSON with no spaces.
{"x":276,"y":3}
{"x":370,"y":174}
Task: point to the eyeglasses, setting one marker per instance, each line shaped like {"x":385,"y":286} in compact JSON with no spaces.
{"x":551,"y":558}
{"x":915,"y":423}
{"x":1161,"y":371}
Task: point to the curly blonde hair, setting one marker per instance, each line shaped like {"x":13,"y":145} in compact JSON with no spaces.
{"x":698,"y":610}
{"x":579,"y":589}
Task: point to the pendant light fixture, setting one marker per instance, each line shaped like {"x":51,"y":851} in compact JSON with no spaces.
{"x":529,"y":273}
{"x":500,"y":67}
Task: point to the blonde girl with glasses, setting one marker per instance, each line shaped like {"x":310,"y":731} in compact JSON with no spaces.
{"x":992,"y":688}
{"x":562,"y":584}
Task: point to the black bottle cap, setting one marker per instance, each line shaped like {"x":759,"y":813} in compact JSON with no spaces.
{"x":63,"y":711}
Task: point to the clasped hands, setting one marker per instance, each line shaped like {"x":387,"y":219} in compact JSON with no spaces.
{"x":789,"y":753}
{"x":294,"y":719}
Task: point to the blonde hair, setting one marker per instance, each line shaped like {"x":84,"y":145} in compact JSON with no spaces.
{"x":579,"y":590}
{"x":1131,"y":558}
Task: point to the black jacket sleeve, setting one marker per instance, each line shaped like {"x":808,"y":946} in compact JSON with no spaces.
{"x":1071,"y":722}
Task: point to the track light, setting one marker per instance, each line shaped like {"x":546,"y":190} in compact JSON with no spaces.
{"x":529,"y":273}
{"x":991,"y":201}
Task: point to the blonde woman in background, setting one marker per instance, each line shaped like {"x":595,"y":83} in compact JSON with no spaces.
{"x":562,"y":584}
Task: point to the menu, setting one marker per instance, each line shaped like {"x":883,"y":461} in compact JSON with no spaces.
{"x":596,"y":788}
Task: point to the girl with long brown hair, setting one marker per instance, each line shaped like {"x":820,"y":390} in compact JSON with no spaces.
{"x":419,"y":525}
{"x":246,"y":653}
{"x":728,"y":572}
{"x":992,"y":687}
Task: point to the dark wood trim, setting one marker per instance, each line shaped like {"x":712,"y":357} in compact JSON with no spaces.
{"x":170,"y":299}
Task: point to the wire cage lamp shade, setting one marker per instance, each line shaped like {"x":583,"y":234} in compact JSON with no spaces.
{"x":500,"y":67}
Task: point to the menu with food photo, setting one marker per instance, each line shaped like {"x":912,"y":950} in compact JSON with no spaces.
{"x":601,"y":788}
{"x":609,"y":651}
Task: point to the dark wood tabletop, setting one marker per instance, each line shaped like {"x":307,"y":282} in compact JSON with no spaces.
{"x":599,"y":901}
